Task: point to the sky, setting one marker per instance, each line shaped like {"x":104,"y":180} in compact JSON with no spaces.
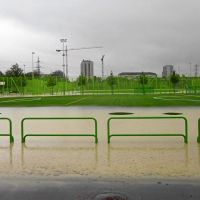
{"x":136,"y":35}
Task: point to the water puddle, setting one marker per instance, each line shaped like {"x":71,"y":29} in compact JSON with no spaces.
{"x":80,"y":156}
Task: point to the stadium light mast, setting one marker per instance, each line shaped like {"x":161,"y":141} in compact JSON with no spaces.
{"x":63,"y":41}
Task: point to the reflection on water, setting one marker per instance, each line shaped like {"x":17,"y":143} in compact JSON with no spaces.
{"x":6,"y":158}
{"x":59,"y":159}
{"x":78,"y":156}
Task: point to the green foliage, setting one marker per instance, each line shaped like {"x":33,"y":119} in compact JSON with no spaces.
{"x":82,"y":82}
{"x":111,"y":80}
{"x":14,"y":71}
{"x":51,"y":82}
{"x":58,"y":73}
{"x":143,"y":80}
{"x":174,"y":79}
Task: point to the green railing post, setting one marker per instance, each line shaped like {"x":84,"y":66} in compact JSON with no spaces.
{"x":10,"y":129}
{"x":108,"y":130}
{"x":23,"y":135}
{"x":185,"y":135}
{"x":198,"y":138}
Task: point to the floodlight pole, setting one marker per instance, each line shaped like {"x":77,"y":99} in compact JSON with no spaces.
{"x":63,"y":41}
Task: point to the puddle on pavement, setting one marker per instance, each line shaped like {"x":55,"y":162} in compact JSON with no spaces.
{"x":172,"y":113}
{"x":80,"y":156}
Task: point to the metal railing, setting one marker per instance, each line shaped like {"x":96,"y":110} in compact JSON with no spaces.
{"x":198,"y":138}
{"x":23,"y":135}
{"x":109,"y":134}
{"x":10,"y":129}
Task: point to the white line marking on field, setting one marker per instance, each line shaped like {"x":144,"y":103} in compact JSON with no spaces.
{"x":18,"y":100}
{"x":166,"y":98}
{"x":76,"y":101}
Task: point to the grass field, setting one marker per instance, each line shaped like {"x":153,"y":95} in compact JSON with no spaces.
{"x":103,"y":100}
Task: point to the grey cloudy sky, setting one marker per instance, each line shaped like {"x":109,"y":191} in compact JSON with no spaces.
{"x":137,"y":35}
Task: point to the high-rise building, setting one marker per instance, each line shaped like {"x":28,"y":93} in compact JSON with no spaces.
{"x":87,"y":68}
{"x":167,"y":70}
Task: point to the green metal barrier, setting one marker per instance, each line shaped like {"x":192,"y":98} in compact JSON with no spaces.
{"x":185,"y":136}
{"x":198,"y":138}
{"x":23,"y":135}
{"x":10,"y":129}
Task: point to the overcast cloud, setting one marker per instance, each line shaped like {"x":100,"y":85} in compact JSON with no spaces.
{"x":137,"y":35}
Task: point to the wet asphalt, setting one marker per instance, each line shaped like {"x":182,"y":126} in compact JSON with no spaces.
{"x":94,"y":189}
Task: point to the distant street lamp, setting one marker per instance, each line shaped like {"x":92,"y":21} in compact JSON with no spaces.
{"x":33,"y":65}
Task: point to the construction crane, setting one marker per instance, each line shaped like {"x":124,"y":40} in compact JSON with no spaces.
{"x":102,"y":58}
{"x":65,"y":53}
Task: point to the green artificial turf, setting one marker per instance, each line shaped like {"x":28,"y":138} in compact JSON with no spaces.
{"x":104,"y":100}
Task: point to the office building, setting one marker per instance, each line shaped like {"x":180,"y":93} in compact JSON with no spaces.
{"x":167,"y":71}
{"x":87,"y":68}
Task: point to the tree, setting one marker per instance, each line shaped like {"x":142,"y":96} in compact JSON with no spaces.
{"x":58,"y":73}
{"x":14,"y":71}
{"x":143,"y":81}
{"x":51,"y":82}
{"x":111,"y":82}
{"x":81,"y":82}
{"x":174,"y":79}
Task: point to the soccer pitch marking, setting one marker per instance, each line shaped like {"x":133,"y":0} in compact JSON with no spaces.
{"x":18,"y":100}
{"x":76,"y":101}
{"x":180,"y":98}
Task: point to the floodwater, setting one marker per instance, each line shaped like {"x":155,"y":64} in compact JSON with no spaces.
{"x":127,"y":157}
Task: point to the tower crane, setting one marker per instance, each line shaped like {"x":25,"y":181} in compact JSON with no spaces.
{"x":65,"y":53}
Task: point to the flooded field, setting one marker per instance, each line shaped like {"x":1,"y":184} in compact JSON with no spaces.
{"x":80,"y":157}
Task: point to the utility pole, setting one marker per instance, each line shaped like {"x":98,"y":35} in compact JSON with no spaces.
{"x":196,"y":70}
{"x":38,"y":66}
{"x":33,"y":65}
{"x":102,"y":63}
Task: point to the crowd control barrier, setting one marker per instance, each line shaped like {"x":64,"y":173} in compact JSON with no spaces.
{"x":10,"y":129}
{"x":109,"y":134}
{"x":198,"y":138}
{"x":25,"y":135}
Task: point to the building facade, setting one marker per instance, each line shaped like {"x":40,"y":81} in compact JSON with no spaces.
{"x":136,"y":74}
{"x":87,"y":68}
{"x":167,"y":71}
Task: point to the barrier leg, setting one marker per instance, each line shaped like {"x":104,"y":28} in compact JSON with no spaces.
{"x":198,"y":138}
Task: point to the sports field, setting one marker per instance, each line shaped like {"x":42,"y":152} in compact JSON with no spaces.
{"x":104,"y":100}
